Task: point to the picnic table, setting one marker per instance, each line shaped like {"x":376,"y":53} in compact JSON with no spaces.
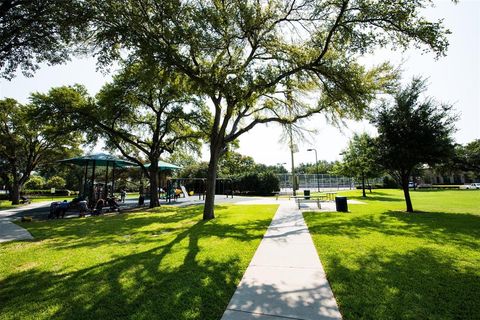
{"x":313,"y":198}
{"x":331,"y":195}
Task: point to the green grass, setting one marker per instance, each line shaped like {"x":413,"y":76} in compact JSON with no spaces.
{"x":384,"y":263}
{"x":55,"y":198}
{"x":163,"y":264}
{"x":7,"y":204}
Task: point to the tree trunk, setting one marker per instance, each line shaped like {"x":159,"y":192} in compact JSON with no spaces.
{"x":406,"y":192}
{"x":153,"y":170}
{"x":15,"y":195}
{"x":208,"y":210}
{"x":363,"y":185}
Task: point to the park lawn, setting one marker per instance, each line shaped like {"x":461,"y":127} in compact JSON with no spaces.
{"x":49,"y":199}
{"x":384,"y":263}
{"x":7,"y":204}
{"x":162,"y":264}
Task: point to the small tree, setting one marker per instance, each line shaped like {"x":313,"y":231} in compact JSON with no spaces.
{"x":359,"y":159}
{"x":413,"y":132}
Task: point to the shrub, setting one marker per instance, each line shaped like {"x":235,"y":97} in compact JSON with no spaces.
{"x":264,"y":183}
{"x":43,"y":192}
{"x":56,"y":182}
{"x":35,"y":182}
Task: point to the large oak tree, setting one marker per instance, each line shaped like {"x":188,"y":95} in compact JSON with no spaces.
{"x":28,"y":141}
{"x":144,"y":113}
{"x":256,"y":61}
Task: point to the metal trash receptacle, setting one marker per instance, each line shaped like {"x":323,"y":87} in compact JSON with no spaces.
{"x":306,"y":194}
{"x":341,"y":204}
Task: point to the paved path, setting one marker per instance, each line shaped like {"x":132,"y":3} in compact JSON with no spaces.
{"x":10,"y":231}
{"x":285,"y":279}
{"x":29,"y":209}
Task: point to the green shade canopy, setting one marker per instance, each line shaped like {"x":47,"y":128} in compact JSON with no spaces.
{"x":100,"y":160}
{"x":162,"y":165}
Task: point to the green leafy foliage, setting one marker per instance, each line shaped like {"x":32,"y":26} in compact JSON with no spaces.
{"x":35,"y":182}
{"x":38,"y":31}
{"x":324,"y":167}
{"x":257,"y":61}
{"x":264,"y":183}
{"x":56,"y":182}
{"x":412,"y":132}
{"x":359,"y":159}
{"x":29,"y":141}
{"x":467,"y":158}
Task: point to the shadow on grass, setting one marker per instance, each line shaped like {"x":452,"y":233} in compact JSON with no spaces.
{"x":102,"y":230}
{"x":420,"y":284}
{"x":376,"y":196}
{"x":462,"y":229}
{"x":144,"y":285}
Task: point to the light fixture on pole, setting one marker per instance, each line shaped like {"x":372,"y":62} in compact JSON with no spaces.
{"x":316,"y":163}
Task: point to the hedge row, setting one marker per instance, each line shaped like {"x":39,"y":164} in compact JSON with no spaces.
{"x":46,"y":192}
{"x":264,"y":183}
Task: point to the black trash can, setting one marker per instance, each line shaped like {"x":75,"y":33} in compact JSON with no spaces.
{"x":306,"y":194}
{"x":141,"y":200}
{"x":341,"y":204}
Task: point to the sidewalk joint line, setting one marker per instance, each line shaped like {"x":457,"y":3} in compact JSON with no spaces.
{"x":266,"y":314}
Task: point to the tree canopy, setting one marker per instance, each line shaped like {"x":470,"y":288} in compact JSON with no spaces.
{"x":413,"y":131}
{"x":28,"y":141}
{"x":256,"y":61}
{"x":144,"y":113}
{"x":467,"y":157}
{"x":359,"y":159}
{"x":32,"y":32}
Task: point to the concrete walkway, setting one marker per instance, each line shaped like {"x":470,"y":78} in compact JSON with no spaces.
{"x":10,"y":231}
{"x":285,"y":279}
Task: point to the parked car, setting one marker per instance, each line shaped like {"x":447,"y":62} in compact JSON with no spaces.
{"x":473,"y":186}
{"x":411,"y":184}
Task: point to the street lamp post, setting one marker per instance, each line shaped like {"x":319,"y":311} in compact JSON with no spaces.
{"x":316,"y":163}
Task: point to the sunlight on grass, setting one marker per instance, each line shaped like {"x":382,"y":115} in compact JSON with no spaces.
{"x":383,"y":263}
{"x":162,"y":264}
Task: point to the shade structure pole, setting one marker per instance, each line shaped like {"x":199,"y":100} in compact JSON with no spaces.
{"x":106,"y":182}
{"x":85,"y":186}
{"x":92,"y":194}
{"x":113,"y":179}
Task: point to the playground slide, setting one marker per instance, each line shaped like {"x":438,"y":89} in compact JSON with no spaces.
{"x":184,"y":191}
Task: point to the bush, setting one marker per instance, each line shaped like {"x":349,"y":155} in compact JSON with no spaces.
{"x":264,"y":183}
{"x":389,"y":182}
{"x":35,"y":182}
{"x":55,"y":182}
{"x":45,"y":193}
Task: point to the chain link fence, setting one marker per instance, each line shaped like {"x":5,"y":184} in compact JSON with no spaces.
{"x":321,"y":181}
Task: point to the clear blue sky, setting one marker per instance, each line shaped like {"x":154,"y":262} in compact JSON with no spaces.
{"x":454,"y":79}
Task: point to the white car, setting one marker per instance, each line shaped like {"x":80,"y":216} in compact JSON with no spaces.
{"x":473,"y":186}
